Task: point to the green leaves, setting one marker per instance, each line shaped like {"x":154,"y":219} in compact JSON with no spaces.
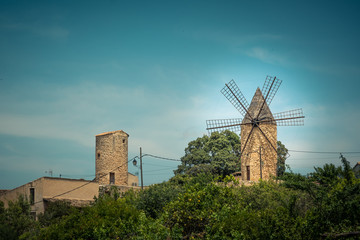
{"x":218,"y":154}
{"x":201,"y":206}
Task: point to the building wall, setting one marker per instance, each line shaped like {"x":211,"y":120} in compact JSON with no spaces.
{"x":24,"y":190}
{"x":250,"y":158}
{"x":111,"y":157}
{"x":133,"y":180}
{"x":48,"y":188}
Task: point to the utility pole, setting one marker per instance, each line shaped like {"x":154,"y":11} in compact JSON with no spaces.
{"x":141,"y":170}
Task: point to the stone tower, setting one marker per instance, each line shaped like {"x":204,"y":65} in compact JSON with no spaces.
{"x":112,"y":158}
{"x":257,"y":146}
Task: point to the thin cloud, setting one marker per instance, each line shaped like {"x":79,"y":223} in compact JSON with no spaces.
{"x":265,"y":55}
{"x":54,"y":32}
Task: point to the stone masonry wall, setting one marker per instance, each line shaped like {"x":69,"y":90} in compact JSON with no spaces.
{"x":111,"y":157}
{"x":251,"y":155}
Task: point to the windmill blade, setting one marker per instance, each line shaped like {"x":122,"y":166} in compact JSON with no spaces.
{"x":290,"y":118}
{"x":243,"y":149}
{"x":267,"y":139}
{"x":223,"y":124}
{"x":271,"y":86}
{"x":232,"y":92}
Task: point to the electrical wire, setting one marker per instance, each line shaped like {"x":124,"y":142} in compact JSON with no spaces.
{"x":100,"y":176}
{"x":303,"y":151}
{"x":164,"y":158}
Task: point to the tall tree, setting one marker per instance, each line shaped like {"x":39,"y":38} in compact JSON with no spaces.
{"x":218,"y":153}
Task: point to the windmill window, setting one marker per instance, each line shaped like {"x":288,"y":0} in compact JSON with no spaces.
{"x":112,"y":178}
{"x":98,"y":155}
{"x":32,"y":196}
{"x":123,"y":140}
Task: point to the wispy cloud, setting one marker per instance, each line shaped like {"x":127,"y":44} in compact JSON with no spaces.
{"x":79,"y":112}
{"x":265,"y":55}
{"x":54,"y":32}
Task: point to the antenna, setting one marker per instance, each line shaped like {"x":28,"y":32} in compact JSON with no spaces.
{"x":50,"y":172}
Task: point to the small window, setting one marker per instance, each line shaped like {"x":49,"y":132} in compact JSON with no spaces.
{"x":123,"y":140}
{"x":134,"y":184}
{"x":112,"y":178}
{"x":248,"y":173}
{"x":32,"y":196}
{"x":98,"y":155}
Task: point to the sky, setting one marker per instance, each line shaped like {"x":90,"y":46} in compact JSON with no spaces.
{"x":70,"y":70}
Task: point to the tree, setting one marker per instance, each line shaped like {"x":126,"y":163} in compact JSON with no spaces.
{"x":282,"y":155}
{"x":217,"y":154}
{"x":220,"y":154}
{"x":54,"y":212}
{"x":16,"y":219}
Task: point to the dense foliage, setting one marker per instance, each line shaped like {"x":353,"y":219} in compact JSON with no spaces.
{"x":202,"y":201}
{"x":218,"y":154}
{"x":325,"y":204}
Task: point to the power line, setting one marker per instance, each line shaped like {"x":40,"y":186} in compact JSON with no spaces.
{"x":303,"y":151}
{"x":164,"y":158}
{"x":100,"y":176}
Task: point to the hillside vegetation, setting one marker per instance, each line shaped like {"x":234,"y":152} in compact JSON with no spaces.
{"x":208,"y":204}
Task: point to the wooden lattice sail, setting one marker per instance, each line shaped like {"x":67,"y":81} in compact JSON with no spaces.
{"x":258,"y":128}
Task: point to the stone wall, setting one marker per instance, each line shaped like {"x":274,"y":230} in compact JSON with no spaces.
{"x":250,"y":158}
{"x":111,"y":157}
{"x":133,"y":180}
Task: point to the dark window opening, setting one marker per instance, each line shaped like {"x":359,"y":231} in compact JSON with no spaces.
{"x":32,"y":196}
{"x":248,"y":173}
{"x":98,"y":155}
{"x":123,"y":140}
{"x":112,"y":178}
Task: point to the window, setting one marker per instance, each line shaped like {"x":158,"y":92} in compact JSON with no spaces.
{"x":123,"y":140}
{"x":98,"y":155}
{"x":134,"y":184}
{"x":32,"y":196}
{"x":112,"y":178}
{"x":248,"y":173}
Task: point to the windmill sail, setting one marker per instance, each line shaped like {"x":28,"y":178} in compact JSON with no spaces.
{"x":290,"y":118}
{"x":223,"y":124}
{"x":271,"y":86}
{"x":232,"y":92}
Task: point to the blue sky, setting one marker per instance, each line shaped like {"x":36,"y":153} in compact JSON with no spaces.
{"x":72,"y":69}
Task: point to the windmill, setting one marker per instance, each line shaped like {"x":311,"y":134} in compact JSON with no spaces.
{"x":258,"y":127}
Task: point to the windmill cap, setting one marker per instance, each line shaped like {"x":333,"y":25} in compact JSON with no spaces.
{"x":255,"y":106}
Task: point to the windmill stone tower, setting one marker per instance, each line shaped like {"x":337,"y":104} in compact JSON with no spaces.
{"x":111,"y":156}
{"x":258,"y":128}
{"x":259,"y":161}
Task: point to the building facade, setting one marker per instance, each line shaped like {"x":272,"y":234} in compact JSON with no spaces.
{"x":259,"y":158}
{"x":111,"y":170}
{"x":112,"y":158}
